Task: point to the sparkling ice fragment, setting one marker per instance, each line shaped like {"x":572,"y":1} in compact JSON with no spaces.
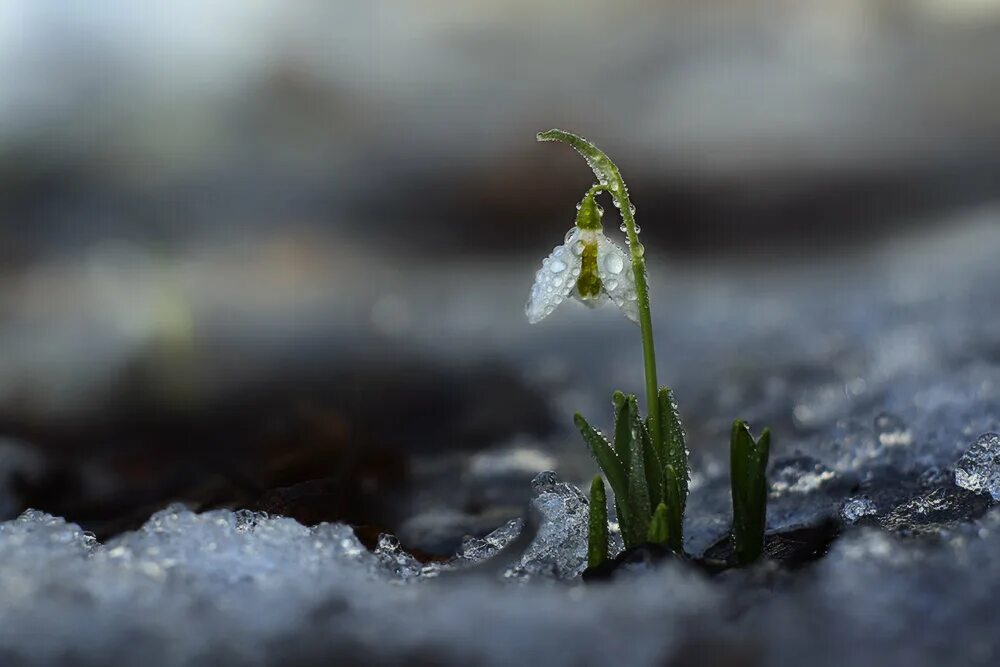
{"x":855,"y":509}
{"x":979,"y":468}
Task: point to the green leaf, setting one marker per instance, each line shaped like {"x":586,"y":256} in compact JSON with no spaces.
{"x":622,"y":406}
{"x":610,"y":465}
{"x":659,"y":528}
{"x":675,"y":511}
{"x":748,"y":470}
{"x":597,"y":542}
{"x":758,"y":483}
{"x":673,"y":454}
{"x":672,"y":438}
{"x":654,"y":469}
{"x":638,"y":491}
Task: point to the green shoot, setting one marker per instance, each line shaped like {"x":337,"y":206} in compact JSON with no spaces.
{"x":659,"y":527}
{"x":674,"y":455}
{"x":597,"y":542}
{"x":748,"y":464}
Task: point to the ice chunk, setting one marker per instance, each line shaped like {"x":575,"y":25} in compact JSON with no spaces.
{"x":475,"y":550}
{"x":855,"y":509}
{"x":559,"y":548}
{"x":979,"y":468}
{"x":36,"y":536}
{"x":396,"y":560}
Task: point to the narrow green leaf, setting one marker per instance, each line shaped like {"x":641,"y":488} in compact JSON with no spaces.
{"x":748,"y":469}
{"x":675,"y":455}
{"x":738,"y":449}
{"x":659,"y":528}
{"x":675,"y":513}
{"x":762,"y":450}
{"x":610,"y":465}
{"x":638,"y":492}
{"x":675,"y":451}
{"x":622,"y":407}
{"x":654,"y":468}
{"x":597,"y":542}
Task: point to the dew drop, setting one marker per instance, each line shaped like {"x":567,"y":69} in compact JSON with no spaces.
{"x":557,"y":266}
{"x":613,"y":263}
{"x":578,"y":248}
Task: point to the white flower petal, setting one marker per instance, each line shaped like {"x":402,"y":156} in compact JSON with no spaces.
{"x":554,"y":281}
{"x":614,"y":267}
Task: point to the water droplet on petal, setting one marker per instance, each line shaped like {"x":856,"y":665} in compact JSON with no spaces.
{"x":613,"y":263}
{"x":578,"y":248}
{"x":557,"y":266}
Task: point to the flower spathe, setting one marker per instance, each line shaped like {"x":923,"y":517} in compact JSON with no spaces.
{"x":588,"y":265}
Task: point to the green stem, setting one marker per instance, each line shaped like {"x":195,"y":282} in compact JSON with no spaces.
{"x":645,"y":316}
{"x":611,"y":180}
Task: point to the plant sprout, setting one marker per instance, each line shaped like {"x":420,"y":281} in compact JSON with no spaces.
{"x":748,"y":461}
{"x":647,"y":463}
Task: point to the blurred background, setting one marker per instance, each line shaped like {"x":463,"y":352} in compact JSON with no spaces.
{"x":275,"y":256}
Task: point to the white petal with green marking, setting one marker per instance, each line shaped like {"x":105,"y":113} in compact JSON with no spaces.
{"x":615,"y":270}
{"x":555,"y":280}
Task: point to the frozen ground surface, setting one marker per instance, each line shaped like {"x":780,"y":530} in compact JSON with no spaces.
{"x":880,"y":377}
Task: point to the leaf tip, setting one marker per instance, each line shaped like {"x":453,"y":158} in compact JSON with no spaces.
{"x":618,"y":399}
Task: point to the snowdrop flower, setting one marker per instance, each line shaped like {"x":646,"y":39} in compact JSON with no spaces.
{"x":588,"y":265}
